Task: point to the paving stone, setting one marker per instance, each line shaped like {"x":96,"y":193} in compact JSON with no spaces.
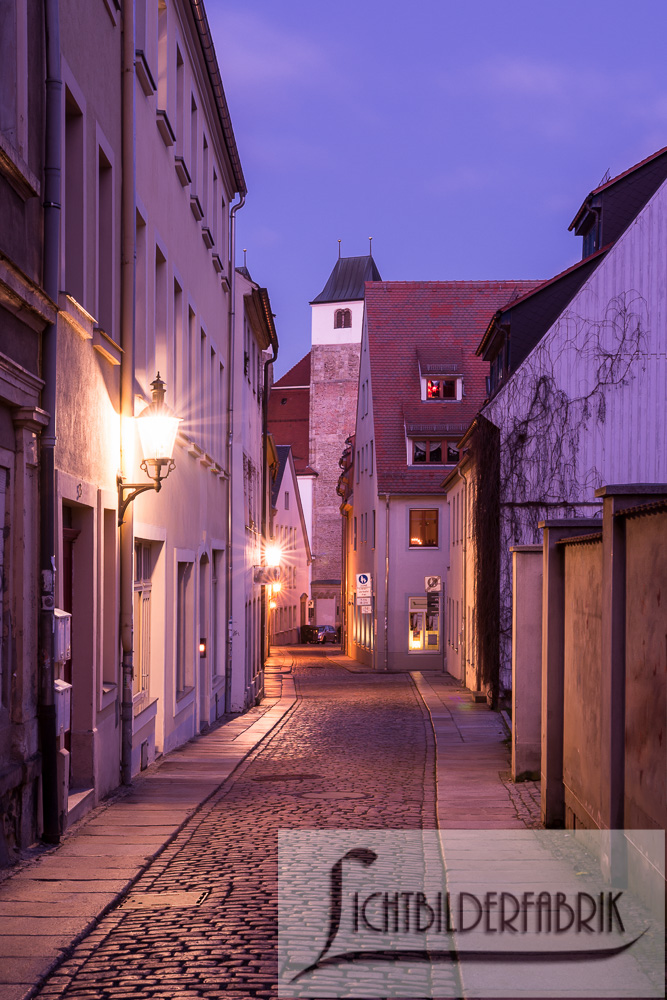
{"x":367,"y":741}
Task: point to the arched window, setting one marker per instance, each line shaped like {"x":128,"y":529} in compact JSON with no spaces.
{"x":342,"y":319}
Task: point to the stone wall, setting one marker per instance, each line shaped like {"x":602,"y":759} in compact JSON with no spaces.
{"x":333,"y":403}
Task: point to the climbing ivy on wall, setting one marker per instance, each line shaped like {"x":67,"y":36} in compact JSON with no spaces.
{"x":546,"y":415}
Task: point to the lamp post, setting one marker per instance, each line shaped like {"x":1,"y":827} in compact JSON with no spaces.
{"x":158,"y":427}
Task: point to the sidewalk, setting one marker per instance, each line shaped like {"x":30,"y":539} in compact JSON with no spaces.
{"x":474,"y":790}
{"x":48,"y":904}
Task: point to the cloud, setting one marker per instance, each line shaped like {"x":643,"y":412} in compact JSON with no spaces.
{"x":257,"y":55}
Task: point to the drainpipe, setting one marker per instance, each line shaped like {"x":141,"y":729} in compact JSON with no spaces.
{"x":127,"y":293}
{"x":386,"y":583}
{"x":465,"y":579}
{"x":265,"y":486}
{"x":51,"y":262}
{"x":231,"y":319}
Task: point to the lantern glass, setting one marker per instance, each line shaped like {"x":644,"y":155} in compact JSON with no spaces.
{"x":157,"y":433}
{"x":272,"y":555}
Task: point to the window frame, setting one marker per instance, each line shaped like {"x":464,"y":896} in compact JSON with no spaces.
{"x":417,"y":610}
{"x":446,"y":444}
{"x":420,"y":514}
{"x":342,"y":319}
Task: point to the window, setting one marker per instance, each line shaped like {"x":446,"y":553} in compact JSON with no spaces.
{"x":423,"y":528}
{"x":286,"y":500}
{"x":342,"y":319}
{"x":442,"y":388}
{"x":5,"y":573}
{"x":423,"y":627}
{"x":109,"y":645}
{"x":371,"y":468}
{"x":180,"y":102}
{"x":162,"y":42}
{"x":143,"y":571}
{"x":217,"y":653}
{"x":355,"y":535}
{"x":373,"y":537}
{"x":434,"y":451}
{"x":14,"y":76}
{"x":184,"y":627}
{"x":161,"y":349}
{"x":105,"y":249}
{"x":73,"y":185}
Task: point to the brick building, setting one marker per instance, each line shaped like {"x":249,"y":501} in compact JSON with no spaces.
{"x":316,"y":402}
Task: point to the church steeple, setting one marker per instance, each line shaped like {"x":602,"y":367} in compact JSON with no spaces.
{"x":346,"y":281}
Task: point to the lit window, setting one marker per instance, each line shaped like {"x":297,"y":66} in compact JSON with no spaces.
{"x":441,"y":388}
{"x":423,"y":528}
{"x":435,"y":451}
{"x":423,"y":627}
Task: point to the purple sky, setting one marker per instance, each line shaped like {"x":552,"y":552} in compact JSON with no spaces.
{"x":461,"y":134}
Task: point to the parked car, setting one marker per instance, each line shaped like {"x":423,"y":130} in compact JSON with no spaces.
{"x":308,"y":633}
{"x":327,"y":633}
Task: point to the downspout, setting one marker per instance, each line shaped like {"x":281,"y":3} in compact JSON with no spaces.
{"x":465,"y":579}
{"x":386,"y":583}
{"x":51,"y":261}
{"x":127,"y":293}
{"x":265,"y":486}
{"x":231,"y":319}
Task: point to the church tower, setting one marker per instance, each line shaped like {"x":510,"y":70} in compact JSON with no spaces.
{"x":337,"y":317}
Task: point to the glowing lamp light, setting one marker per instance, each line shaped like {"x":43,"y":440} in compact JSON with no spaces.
{"x":277,"y":587}
{"x":158,"y":427}
{"x":272,"y":555}
{"x":273,"y":605}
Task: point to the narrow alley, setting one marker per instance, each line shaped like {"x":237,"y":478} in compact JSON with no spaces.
{"x":350,"y":750}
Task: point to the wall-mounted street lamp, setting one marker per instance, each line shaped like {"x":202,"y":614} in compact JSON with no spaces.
{"x":158,"y":427}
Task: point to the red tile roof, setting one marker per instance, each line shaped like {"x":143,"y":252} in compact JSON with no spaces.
{"x":299,"y":374}
{"x":289,"y":413}
{"x":406,"y":319}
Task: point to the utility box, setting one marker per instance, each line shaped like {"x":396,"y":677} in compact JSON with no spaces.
{"x":62,"y":636}
{"x":62,"y":698}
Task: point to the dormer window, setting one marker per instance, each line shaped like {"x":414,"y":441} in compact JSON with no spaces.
{"x":434,"y":451}
{"x":342,"y":319}
{"x":441,"y":387}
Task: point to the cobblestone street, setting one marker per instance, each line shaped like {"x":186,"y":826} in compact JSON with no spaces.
{"x":170,"y":889}
{"x":356,"y":752}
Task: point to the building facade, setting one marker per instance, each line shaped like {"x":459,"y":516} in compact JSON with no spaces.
{"x":26,"y":311}
{"x":290,"y":536}
{"x":330,"y":392}
{"x":576,"y":390}
{"x":398,"y":614}
{"x":116,"y":278}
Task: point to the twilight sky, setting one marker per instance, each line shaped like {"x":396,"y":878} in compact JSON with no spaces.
{"x":462,"y":135}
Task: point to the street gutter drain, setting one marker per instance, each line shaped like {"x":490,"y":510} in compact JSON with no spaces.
{"x":163,"y":900}
{"x":288,"y":777}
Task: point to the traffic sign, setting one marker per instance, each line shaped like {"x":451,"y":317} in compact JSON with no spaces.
{"x":432,"y":584}
{"x":364,"y":585}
